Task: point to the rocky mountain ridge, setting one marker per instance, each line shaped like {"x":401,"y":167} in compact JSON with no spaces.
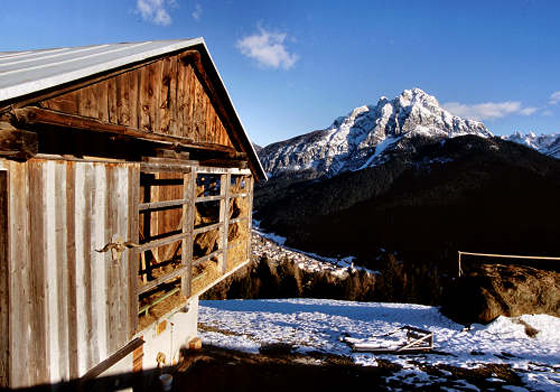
{"x":364,"y":137}
{"x":547,"y":144}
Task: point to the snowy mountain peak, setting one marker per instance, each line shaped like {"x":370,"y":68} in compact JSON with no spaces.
{"x":361,"y":138}
{"x":548,"y":144}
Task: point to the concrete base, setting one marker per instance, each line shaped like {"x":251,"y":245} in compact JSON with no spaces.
{"x":165,"y":338}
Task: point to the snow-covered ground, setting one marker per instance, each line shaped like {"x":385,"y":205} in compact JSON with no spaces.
{"x":317,"y":325}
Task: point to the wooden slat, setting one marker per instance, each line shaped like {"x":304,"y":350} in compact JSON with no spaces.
{"x":61,"y":259}
{"x":134,"y":99}
{"x":19,"y":266}
{"x":181,"y":100}
{"x":112,"y":101}
{"x":199,"y":112}
{"x":208,"y":198}
{"x":162,"y":279}
{"x":121,"y":267}
{"x":101,"y":101}
{"x":162,"y":204}
{"x":189,"y":118}
{"x":4,"y":282}
{"x":173,"y":97}
{"x":224,"y":216}
{"x":207,"y":228}
{"x":37,"y":279}
{"x":164,"y":104}
{"x":207,"y":257}
{"x":86,"y":102}
{"x":148,"y":97}
{"x":71,"y":272}
{"x":90,"y":354}
{"x":161,"y":242}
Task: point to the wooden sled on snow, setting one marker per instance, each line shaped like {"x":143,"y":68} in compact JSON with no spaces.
{"x":406,"y":339}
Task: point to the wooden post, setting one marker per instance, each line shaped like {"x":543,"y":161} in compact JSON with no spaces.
{"x":189,"y":192}
{"x":460,"y":270}
{"x":225,"y":184}
{"x":249,"y":214}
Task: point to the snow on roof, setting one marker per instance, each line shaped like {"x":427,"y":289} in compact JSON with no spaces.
{"x":31,"y":71}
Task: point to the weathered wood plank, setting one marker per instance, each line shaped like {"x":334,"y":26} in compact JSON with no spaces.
{"x":149,"y":87}
{"x":50,"y":265}
{"x":4,"y":283}
{"x":62,"y":267}
{"x":101,"y":100}
{"x":72,"y":276}
{"x":87,"y":102}
{"x":173,"y":74}
{"x":121,"y":268}
{"x":189,"y":118}
{"x":87,"y":304}
{"x":200,"y":112}
{"x":181,"y":101}
{"x":37,"y":276}
{"x":20,"y":270}
{"x":134,"y":98}
{"x":165,"y":94}
{"x":112,"y":101}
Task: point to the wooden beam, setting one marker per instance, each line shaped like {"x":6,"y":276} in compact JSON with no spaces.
{"x":32,"y":115}
{"x":162,"y":279}
{"x":17,"y":143}
{"x":113,"y":359}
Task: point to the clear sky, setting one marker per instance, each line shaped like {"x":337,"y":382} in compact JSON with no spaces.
{"x":294,"y":66}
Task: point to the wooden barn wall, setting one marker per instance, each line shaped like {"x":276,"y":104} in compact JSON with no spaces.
{"x":70,"y":307}
{"x":164,"y":97}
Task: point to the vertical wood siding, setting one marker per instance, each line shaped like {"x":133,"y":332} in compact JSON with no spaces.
{"x":165,"y":97}
{"x":69,"y":307}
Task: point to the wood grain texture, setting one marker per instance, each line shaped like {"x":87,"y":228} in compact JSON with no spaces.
{"x":167,"y":97}
{"x":20,"y":269}
{"x":4,"y":283}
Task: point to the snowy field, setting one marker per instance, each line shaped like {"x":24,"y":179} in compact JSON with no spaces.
{"x":317,"y":325}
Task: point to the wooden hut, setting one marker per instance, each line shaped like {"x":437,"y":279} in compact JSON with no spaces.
{"x":126,"y":184}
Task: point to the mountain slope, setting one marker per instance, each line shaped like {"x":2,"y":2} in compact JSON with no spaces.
{"x":363,"y":138}
{"x":468,"y":193}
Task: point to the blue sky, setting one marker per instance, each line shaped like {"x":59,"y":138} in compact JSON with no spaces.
{"x":293,"y":66}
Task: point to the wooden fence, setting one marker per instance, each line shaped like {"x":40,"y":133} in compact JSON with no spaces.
{"x":500,"y":256}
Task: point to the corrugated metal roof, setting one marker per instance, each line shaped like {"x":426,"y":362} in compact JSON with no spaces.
{"x":27,"y":72}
